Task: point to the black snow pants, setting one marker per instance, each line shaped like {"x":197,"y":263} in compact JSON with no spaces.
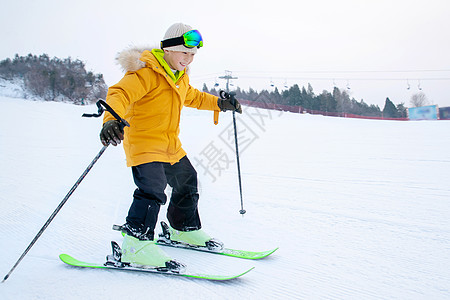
{"x":151,"y":180}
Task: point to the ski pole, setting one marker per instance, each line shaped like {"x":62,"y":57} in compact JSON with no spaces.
{"x":242,"y":210}
{"x":231,"y":96}
{"x":123,"y":123}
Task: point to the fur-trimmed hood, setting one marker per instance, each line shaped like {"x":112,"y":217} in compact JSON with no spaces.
{"x":129,"y":59}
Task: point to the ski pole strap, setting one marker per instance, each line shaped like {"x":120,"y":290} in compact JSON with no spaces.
{"x":216,"y":117}
{"x":102,"y":105}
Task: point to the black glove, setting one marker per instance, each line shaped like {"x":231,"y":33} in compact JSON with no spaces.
{"x":225,"y":104}
{"x":112,"y":132}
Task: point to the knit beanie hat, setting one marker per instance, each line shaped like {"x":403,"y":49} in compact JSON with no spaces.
{"x":176,"y":30}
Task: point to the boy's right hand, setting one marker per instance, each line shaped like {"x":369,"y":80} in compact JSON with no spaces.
{"x":111,"y":133}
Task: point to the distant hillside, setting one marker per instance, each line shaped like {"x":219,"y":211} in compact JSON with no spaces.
{"x":55,"y":79}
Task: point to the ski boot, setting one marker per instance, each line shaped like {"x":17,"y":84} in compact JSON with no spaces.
{"x":146,"y":253}
{"x":192,"y":239}
{"x":140,"y":250}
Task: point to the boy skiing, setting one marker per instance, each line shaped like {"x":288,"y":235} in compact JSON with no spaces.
{"x":150,"y":97}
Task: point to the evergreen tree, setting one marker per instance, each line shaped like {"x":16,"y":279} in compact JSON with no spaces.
{"x":389,"y":110}
{"x":293,"y":96}
{"x":275,"y":96}
{"x":326,"y":102}
{"x":401,"y":109}
{"x":308,"y":97}
{"x":343,"y":103}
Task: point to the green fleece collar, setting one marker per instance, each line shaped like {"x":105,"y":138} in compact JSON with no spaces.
{"x":159,"y":55}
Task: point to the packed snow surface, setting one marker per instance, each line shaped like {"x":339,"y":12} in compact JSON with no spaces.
{"x":359,"y":208}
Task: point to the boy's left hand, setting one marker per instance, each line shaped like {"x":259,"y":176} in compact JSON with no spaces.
{"x":225,"y":104}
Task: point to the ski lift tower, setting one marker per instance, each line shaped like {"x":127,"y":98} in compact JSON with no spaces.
{"x":228,"y":77}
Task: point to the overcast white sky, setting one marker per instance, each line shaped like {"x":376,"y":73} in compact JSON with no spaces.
{"x":375,"y":48}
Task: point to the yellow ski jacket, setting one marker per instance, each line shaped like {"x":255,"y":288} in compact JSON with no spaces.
{"x":151,"y":101}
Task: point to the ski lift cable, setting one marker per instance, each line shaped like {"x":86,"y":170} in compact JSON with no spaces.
{"x":346,"y":71}
{"x":346,"y":78}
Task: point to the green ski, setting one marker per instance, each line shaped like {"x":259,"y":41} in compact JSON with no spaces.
{"x":164,"y":240}
{"x":77,"y":263}
{"x":224,"y":251}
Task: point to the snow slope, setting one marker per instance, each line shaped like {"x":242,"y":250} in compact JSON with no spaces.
{"x":359,"y":208}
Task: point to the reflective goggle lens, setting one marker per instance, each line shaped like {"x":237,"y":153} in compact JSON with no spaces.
{"x":193,"y":39}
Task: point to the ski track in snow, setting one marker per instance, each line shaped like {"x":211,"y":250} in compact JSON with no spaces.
{"x":359,"y":208}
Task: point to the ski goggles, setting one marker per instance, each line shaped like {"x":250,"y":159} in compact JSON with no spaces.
{"x":190,"y":39}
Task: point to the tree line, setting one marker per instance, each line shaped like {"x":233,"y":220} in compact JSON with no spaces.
{"x":336,"y":102}
{"x":67,"y":80}
{"x":54,"y":79}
